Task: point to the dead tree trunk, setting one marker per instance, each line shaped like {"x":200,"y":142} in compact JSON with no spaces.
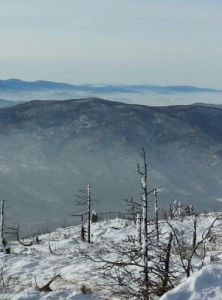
{"x":87,"y":201}
{"x":156,"y":216}
{"x":143,"y":173}
{"x":82,"y":230}
{"x":20,"y":242}
{"x":194,"y":232}
{"x":167,"y":264}
{"x":2,"y":226}
{"x":89,"y":212}
{"x":4,"y":247}
{"x":138,"y":229}
{"x":46,"y":287}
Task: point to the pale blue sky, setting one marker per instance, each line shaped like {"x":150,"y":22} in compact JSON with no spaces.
{"x":112,"y":41}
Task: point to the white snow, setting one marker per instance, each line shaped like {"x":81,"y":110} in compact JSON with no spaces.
{"x":27,"y":266}
{"x":203,"y":285}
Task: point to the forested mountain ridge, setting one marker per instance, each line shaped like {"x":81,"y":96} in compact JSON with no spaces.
{"x":50,"y":149}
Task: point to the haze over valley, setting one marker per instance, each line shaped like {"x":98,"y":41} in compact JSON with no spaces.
{"x":50,"y":149}
{"x":146,"y":94}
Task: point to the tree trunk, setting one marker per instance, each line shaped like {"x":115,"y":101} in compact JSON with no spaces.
{"x":82,"y":230}
{"x":89,"y":212}
{"x":167,"y":264}
{"x":156,"y":216}
{"x":138,"y":229}
{"x":2,"y":242}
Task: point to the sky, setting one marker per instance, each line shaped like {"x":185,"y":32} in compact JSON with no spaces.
{"x":112,"y":41}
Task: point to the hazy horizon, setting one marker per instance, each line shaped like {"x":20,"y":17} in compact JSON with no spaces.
{"x":151,"y":95}
{"x":124,"y":42}
{"x":110,"y":83}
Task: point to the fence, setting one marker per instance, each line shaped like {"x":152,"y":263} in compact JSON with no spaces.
{"x":103,"y":216}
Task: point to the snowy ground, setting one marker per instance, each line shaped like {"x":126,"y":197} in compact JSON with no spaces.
{"x":203,"y":285}
{"x":27,"y":266}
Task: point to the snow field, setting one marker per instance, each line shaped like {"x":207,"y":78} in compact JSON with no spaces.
{"x":27,"y":266}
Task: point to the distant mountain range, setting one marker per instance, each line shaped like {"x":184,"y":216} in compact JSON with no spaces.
{"x":50,"y":149}
{"x":141,"y":94}
{"x":16,"y":85}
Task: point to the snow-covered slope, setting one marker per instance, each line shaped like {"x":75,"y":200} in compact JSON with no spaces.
{"x":203,"y":285}
{"x":28,"y":266}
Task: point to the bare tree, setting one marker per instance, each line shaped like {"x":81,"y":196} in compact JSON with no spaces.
{"x":143,"y":172}
{"x":143,"y":234}
{"x":4,"y":247}
{"x":161,"y":266}
{"x":142,"y":268}
{"x":156,"y":208}
{"x":2,"y":226}
{"x":138,"y":229}
{"x":119,"y":274}
{"x":166,"y":271}
{"x":133,"y":254}
{"x":124,"y":276}
{"x":89,"y":208}
{"x":85,"y":199}
{"x":188,"y":252}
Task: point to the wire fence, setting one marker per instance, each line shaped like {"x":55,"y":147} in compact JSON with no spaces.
{"x":104,"y":216}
